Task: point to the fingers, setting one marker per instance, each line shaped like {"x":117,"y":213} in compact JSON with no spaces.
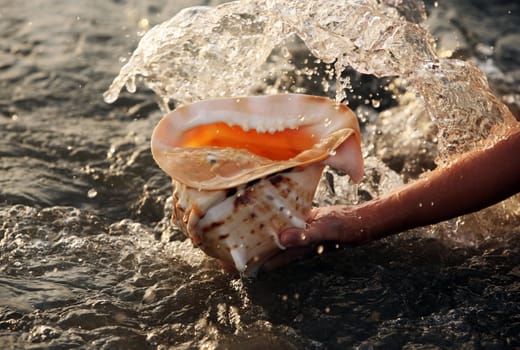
{"x":333,"y":223}
{"x":326,"y":224}
{"x":295,"y":237}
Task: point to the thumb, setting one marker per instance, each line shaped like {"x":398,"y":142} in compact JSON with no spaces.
{"x":316,"y":232}
{"x":326,"y":224}
{"x":295,"y":237}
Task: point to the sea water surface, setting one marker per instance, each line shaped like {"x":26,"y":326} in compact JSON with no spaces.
{"x":89,"y":259}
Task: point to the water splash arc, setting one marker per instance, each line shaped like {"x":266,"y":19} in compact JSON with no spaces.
{"x":207,"y":52}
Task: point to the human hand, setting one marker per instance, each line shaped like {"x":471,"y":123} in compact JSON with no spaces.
{"x":325,"y":225}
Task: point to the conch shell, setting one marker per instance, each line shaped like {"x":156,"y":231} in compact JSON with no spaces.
{"x":245,"y":169}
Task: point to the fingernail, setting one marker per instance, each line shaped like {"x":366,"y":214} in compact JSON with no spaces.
{"x":290,"y":238}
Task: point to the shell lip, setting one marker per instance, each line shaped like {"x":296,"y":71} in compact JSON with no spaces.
{"x":215,"y":168}
{"x":221,"y":168}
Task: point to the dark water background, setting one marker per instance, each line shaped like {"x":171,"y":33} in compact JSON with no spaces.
{"x":88,"y":259}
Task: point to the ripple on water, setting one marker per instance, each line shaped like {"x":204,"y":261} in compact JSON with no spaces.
{"x":111,"y":272}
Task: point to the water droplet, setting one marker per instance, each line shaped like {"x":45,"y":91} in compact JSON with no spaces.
{"x":376,"y":103}
{"x":285,"y":52}
{"x":149,"y":295}
{"x":92,"y":193}
{"x":143,"y":24}
{"x":327,"y":122}
{"x":111,"y":96}
{"x":130,"y":84}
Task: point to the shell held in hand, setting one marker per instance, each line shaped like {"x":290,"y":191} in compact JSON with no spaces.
{"x":245,"y":169}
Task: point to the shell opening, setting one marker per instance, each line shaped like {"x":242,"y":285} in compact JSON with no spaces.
{"x":278,"y":145}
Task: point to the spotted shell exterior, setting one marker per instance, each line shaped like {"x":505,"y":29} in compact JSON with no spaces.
{"x":233,"y":203}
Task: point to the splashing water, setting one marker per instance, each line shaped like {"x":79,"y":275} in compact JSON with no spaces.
{"x":206,"y":52}
{"x":112,"y":272}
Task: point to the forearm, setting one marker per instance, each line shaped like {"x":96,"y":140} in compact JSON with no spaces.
{"x":474,"y":181}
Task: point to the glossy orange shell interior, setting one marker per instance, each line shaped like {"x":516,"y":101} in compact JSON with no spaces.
{"x":222,"y":143}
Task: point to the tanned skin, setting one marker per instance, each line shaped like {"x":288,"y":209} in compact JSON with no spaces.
{"x":472,"y":181}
